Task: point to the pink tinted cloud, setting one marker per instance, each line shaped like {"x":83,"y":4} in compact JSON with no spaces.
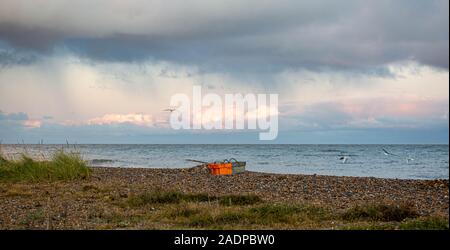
{"x":368,"y":113}
{"x":32,"y":124}
{"x":405,"y":107}
{"x":134,"y":118}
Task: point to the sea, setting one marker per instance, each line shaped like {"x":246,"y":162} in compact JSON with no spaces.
{"x":384,"y":161}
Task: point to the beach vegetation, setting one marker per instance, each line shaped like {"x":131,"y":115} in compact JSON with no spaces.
{"x":433,"y":223}
{"x":175,"y":197}
{"x":60,"y":166}
{"x":380,"y":212}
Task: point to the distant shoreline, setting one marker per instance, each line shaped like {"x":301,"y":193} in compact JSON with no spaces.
{"x":271,"y":173}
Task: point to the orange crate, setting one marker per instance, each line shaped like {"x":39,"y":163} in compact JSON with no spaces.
{"x":220,"y":168}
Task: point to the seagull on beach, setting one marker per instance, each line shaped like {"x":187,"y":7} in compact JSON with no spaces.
{"x":388,"y":153}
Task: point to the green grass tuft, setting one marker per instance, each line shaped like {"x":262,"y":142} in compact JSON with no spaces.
{"x":380,"y":212}
{"x":267,"y":214}
{"x":241,"y":200}
{"x":286,"y":212}
{"x":225,"y":218}
{"x":61,"y":166}
{"x":432,"y":223}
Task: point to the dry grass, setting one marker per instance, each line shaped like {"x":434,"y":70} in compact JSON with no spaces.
{"x":101,"y":207}
{"x":176,"y":210}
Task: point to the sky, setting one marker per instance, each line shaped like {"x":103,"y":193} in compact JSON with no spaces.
{"x":104,"y":71}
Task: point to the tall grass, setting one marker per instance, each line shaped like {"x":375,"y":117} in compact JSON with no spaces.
{"x":60,"y":166}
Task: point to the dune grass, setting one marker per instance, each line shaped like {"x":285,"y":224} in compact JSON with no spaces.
{"x":60,"y":166}
{"x":178,"y":210}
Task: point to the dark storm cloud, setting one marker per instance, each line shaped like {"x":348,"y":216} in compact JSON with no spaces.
{"x":262,"y":36}
{"x":29,"y":37}
{"x":12,"y":57}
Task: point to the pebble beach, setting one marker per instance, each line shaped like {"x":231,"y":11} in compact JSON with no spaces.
{"x":71,"y":202}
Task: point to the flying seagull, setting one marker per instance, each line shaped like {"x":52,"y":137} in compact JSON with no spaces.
{"x":388,"y":153}
{"x":408,"y":159}
{"x":344,"y":158}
